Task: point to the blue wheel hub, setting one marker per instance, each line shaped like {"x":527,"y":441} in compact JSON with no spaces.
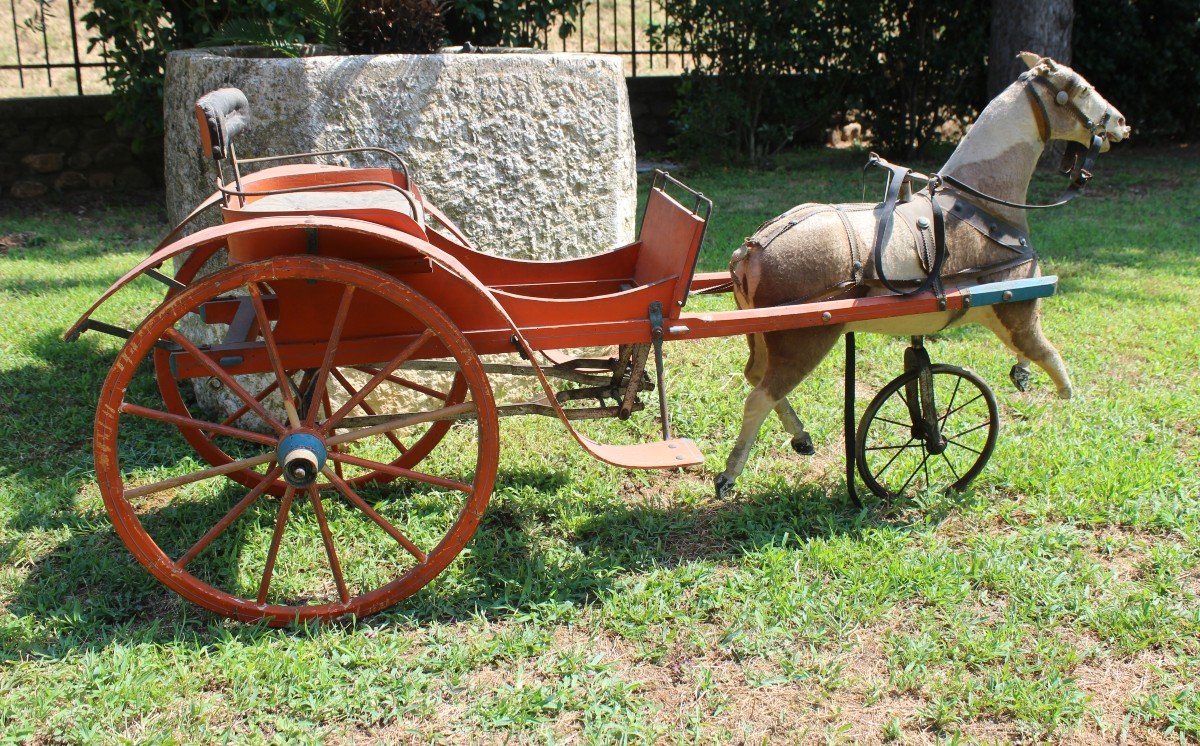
{"x":302,"y":456}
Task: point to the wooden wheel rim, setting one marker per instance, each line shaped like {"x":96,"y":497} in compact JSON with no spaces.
{"x":212,"y":453}
{"x":129,"y":526}
{"x":871,"y":479}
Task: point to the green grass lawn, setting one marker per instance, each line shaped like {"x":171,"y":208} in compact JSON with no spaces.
{"x":1058,"y":600}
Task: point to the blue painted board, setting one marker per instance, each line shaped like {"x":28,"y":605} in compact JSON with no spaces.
{"x":1013,"y":291}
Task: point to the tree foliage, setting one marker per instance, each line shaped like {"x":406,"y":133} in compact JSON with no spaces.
{"x":765,"y":72}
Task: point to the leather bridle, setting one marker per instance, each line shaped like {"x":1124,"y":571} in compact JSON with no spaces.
{"x":1078,"y":159}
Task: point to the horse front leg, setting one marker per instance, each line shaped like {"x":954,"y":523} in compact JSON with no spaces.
{"x":1019,"y":326}
{"x":758,"y":405}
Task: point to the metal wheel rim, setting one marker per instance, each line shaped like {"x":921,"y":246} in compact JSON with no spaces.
{"x":899,"y":383}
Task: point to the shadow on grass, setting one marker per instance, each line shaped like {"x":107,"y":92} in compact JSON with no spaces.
{"x":88,"y":592}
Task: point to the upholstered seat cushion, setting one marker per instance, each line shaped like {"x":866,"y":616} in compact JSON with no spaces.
{"x":332,"y":201}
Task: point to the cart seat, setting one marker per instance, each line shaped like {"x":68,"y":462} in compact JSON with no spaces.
{"x":328,"y":202}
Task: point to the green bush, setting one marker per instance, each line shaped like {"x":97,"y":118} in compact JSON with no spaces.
{"x":765,"y":72}
{"x":1144,"y":57}
{"x":137,"y":35}
{"x":761,"y":72}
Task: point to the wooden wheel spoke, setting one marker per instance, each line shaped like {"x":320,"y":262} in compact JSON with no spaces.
{"x":400,"y":471}
{"x":246,"y":407}
{"x":335,"y":337}
{"x":349,"y":493}
{"x":376,"y":379}
{"x":183,"y":421}
{"x":264,"y":327}
{"x":224,"y":377}
{"x":227,"y":520}
{"x":197,"y":476}
{"x":327,"y":538}
{"x":406,"y":383}
{"x":402,"y":421}
{"x":345,"y":384}
{"x":273,"y":553}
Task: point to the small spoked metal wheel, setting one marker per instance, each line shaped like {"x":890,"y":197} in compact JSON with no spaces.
{"x":333,"y":541}
{"x":930,"y":428}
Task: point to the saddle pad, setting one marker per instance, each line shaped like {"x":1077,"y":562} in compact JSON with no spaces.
{"x":331,"y":201}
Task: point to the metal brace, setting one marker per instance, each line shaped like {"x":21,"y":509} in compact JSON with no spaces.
{"x":656,"y":337}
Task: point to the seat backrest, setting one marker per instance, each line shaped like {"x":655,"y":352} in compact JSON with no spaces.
{"x":670,"y":235}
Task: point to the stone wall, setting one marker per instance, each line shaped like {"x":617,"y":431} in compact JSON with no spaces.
{"x":57,"y":145}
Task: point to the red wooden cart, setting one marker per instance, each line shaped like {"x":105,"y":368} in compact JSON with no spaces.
{"x":356,"y":329}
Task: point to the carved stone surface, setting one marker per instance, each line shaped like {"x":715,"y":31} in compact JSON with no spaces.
{"x":531,"y":153}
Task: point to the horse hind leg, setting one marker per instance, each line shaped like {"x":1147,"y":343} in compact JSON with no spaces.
{"x":789,"y":358}
{"x":756,"y":367}
{"x":1019,"y":326}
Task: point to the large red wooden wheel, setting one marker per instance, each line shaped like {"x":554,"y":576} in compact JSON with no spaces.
{"x":180,"y":399}
{"x":323,"y":548}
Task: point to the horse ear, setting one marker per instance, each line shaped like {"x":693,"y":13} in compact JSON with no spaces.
{"x":1030,"y":59}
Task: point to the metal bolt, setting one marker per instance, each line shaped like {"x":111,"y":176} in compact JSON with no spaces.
{"x":826,"y":316}
{"x":1006,"y":295}
{"x":922,"y":222}
{"x":214,"y":383}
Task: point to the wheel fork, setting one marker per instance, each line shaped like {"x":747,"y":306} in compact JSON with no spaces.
{"x":920,"y":398}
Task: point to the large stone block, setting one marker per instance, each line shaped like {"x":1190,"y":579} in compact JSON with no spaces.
{"x":532,"y":154}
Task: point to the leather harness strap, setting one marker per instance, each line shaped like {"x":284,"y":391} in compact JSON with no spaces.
{"x":883,"y":232}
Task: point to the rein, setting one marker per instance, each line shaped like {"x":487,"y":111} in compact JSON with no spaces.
{"x":1078,"y":160}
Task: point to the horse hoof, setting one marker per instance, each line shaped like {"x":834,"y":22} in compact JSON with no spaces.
{"x":803,"y":445}
{"x":1065,"y":393}
{"x":1019,"y":375}
{"x":723,"y":485}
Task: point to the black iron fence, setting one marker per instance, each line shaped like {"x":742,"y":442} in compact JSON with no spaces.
{"x":47,"y":50}
{"x":621,"y":27}
{"x":45,"y":47}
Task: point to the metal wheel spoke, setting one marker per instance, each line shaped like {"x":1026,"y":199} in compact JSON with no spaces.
{"x":228,"y":519}
{"x":376,"y":379}
{"x":246,"y":407}
{"x":893,"y":458}
{"x":335,"y":337}
{"x":366,"y":408}
{"x":891,"y":448}
{"x":402,"y":421}
{"x":225,"y":378}
{"x":327,"y":538}
{"x":970,"y":430}
{"x":182,"y":421}
{"x":960,"y":445}
{"x":197,"y":476}
{"x":914,"y":472}
{"x":957,"y":382}
{"x":349,"y":493}
{"x":953,"y":471}
{"x":405,"y":382}
{"x":276,"y":537}
{"x":974,"y":399}
{"x":400,"y":471}
{"x":264,"y":327}
{"x":893,"y":422}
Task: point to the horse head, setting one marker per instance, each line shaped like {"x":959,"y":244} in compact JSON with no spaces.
{"x":1069,"y":107}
